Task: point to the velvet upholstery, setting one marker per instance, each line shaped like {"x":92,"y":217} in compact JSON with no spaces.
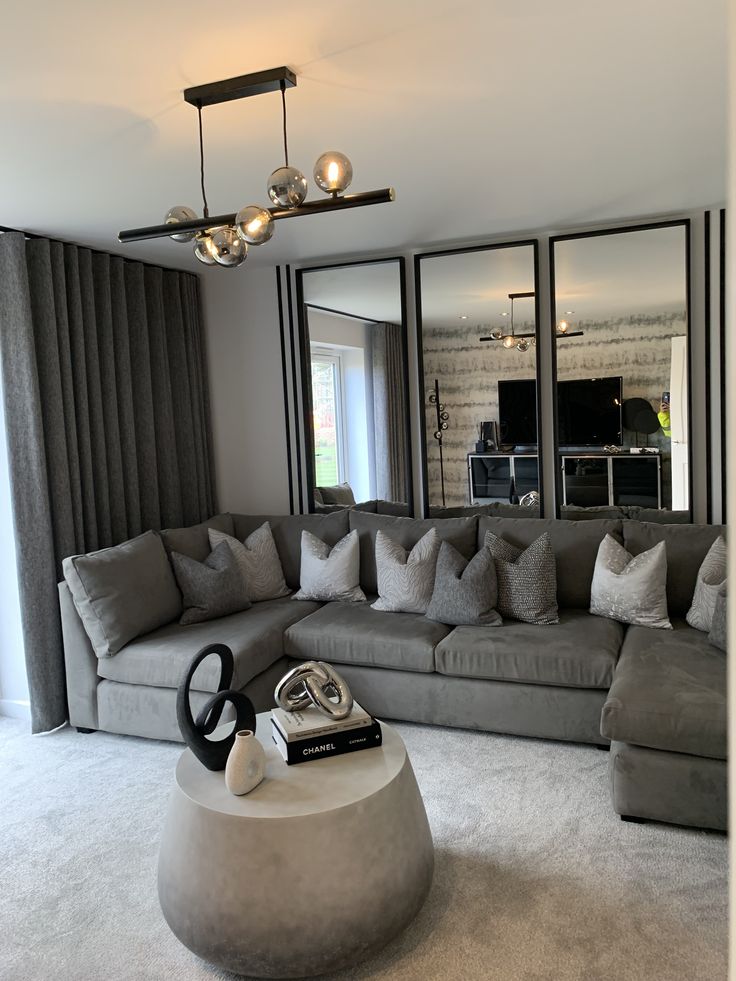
{"x":355,"y":633}
{"x":669,"y":693}
{"x":578,"y":652}
{"x":255,"y":637}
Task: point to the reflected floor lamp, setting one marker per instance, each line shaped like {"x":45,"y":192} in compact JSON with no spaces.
{"x":443,"y":417}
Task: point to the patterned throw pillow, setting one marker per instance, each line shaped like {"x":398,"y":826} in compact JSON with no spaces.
{"x":711,"y":575}
{"x":330,"y":574}
{"x":405,"y":581}
{"x":527,"y":579}
{"x":210,"y":589}
{"x":718,"y":635}
{"x":258,"y":561}
{"x":631,"y":589}
{"x":465,"y":592}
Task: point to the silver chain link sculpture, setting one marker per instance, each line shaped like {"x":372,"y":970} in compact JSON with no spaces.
{"x":313,"y":683}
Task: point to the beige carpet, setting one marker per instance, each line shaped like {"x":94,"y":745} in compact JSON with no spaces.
{"x":536,"y":878}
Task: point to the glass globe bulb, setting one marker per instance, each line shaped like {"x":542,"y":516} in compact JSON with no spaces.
{"x":227,"y":246}
{"x":333,"y":172}
{"x":254,"y":225}
{"x":443,"y":425}
{"x":180,"y":212}
{"x":562,"y":326}
{"x":496,"y":333}
{"x":523,"y":345}
{"x":438,"y":434}
{"x":287,"y":187}
{"x":203,"y":250}
{"x":509,"y":341}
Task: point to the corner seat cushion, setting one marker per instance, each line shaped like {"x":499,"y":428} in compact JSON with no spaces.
{"x":255,"y":636}
{"x":578,"y":652}
{"x":354,"y":633}
{"x":669,"y":693}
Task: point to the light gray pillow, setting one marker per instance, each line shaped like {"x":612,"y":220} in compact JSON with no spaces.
{"x":527,"y":579}
{"x":465,"y":592}
{"x":123,"y":592}
{"x":258,"y":561}
{"x":213,"y":588}
{"x":711,"y":575}
{"x":718,"y":635}
{"x":631,"y":589}
{"x":405,"y":581}
{"x":330,"y":574}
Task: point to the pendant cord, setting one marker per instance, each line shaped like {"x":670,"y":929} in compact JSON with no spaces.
{"x":283,"y":112}
{"x":206,"y":211}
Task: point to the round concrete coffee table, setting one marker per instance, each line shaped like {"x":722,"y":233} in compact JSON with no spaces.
{"x":316,"y":869}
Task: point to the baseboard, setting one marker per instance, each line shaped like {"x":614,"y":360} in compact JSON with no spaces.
{"x":15,"y":709}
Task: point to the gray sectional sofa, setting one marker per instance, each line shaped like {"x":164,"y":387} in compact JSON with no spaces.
{"x":658,"y":697}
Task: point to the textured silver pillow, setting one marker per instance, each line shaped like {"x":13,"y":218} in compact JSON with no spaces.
{"x":631,"y":589}
{"x":258,"y":561}
{"x":711,"y":575}
{"x":405,"y":581}
{"x":329,"y":574}
{"x":210,"y":589}
{"x":465,"y":592}
{"x":718,"y":635}
{"x":527,"y":579}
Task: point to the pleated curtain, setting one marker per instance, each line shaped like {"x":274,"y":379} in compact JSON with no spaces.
{"x":389,"y":411}
{"x":107,"y":419}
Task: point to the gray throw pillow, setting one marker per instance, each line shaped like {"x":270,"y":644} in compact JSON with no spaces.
{"x":258,"y":561}
{"x":465,"y":592}
{"x":123,"y":592}
{"x":330,"y":574}
{"x":527,"y":579}
{"x":337,"y":494}
{"x":631,"y":589}
{"x":711,"y":575}
{"x":211,"y":589}
{"x":718,"y":635}
{"x":405,"y":580}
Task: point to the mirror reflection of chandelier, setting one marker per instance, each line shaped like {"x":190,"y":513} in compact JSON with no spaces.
{"x":522,"y":342}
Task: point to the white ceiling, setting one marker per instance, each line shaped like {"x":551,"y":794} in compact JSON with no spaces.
{"x":486,"y":116}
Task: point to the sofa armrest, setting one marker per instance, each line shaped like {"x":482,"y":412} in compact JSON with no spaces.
{"x":80,"y":662}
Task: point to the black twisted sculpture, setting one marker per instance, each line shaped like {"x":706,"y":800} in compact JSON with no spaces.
{"x":213,"y":753}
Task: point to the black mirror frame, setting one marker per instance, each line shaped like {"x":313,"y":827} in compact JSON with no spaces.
{"x":534,"y":243}
{"x":306,"y":379}
{"x":621,"y":230}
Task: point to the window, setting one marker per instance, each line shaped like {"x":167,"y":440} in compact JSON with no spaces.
{"x":327,"y":402}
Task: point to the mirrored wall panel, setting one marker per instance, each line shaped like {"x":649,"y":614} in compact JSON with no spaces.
{"x":478,"y":347}
{"x":622,"y":352}
{"x":355,"y":379}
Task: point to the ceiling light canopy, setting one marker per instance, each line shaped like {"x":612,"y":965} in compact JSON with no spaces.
{"x":224,"y":239}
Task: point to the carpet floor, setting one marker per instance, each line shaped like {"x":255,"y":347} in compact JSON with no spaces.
{"x":536,"y":878}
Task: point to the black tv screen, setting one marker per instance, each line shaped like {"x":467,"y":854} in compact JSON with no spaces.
{"x":589,"y":412}
{"x":517,"y":412}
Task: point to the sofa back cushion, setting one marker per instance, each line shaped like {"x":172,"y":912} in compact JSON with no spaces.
{"x":686,"y":547}
{"x":287,"y":533}
{"x":194,"y":541}
{"x":574,"y":543}
{"x":123,"y":592}
{"x":460,"y":532}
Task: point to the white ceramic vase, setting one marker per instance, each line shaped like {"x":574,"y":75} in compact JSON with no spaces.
{"x":246,"y":764}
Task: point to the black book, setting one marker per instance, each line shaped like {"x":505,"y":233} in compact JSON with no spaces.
{"x":336,"y":743}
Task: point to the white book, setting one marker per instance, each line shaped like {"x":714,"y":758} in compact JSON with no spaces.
{"x":310,"y":722}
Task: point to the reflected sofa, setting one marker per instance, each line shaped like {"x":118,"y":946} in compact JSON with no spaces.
{"x":657,"y":697}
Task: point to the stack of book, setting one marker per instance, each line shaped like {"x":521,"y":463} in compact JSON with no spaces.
{"x":311,"y":735}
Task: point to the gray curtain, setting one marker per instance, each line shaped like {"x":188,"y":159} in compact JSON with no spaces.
{"x":107,"y":421}
{"x":389,"y":411}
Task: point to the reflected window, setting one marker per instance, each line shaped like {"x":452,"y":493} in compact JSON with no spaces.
{"x":328,"y":411}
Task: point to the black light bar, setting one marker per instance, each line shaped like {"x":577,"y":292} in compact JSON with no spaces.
{"x":241,"y":87}
{"x":571,"y":333}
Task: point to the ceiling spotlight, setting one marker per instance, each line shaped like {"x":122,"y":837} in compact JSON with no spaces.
{"x":568,"y":312}
{"x":463,"y":316}
{"x":504,"y":314}
{"x":224,"y":239}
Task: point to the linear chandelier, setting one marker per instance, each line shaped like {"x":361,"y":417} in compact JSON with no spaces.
{"x":522,"y":342}
{"x":223,"y":240}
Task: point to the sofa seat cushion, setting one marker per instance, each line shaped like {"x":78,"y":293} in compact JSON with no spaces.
{"x":355,"y":633}
{"x":255,"y":637}
{"x":669,"y":693}
{"x":578,"y":652}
